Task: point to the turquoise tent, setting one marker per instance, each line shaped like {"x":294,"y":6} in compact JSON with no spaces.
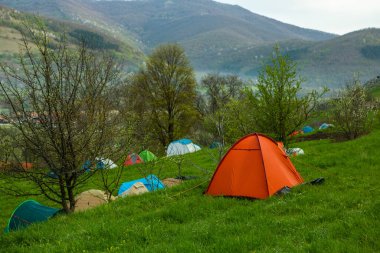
{"x":216,"y":144}
{"x":307,"y":129}
{"x":151,"y":182}
{"x":28,"y":212}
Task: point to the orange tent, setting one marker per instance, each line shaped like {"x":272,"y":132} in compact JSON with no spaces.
{"x":255,"y":167}
{"x":26,"y":165}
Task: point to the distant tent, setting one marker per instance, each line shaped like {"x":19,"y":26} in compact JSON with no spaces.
{"x":254,"y":167}
{"x":29,"y":212}
{"x":90,"y":199}
{"x":307,"y":129}
{"x":295,"y":133}
{"x":132,"y":159}
{"x":216,"y":144}
{"x":26,"y":165}
{"x":325,"y":126}
{"x":88,"y":165}
{"x":136,"y":189}
{"x":147,"y":156}
{"x":182,"y":146}
{"x":104,"y":163}
{"x":170,"y":182}
{"x":295,"y":151}
{"x":151,"y":182}
{"x":52,"y":174}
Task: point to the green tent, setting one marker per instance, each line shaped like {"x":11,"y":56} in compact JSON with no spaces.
{"x":147,"y":156}
{"x":28,"y":212}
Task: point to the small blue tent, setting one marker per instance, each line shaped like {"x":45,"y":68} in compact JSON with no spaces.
{"x":307,"y":129}
{"x":28,"y":212}
{"x":151,"y":182}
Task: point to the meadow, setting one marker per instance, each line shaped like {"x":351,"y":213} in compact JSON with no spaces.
{"x":341,"y":215}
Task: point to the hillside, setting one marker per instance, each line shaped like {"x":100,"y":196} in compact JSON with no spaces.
{"x":221,"y":37}
{"x":11,"y":25}
{"x":331,"y":62}
{"x":341,"y":215}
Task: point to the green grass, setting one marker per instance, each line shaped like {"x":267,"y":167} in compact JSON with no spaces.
{"x":342,"y":215}
{"x":375,"y":91}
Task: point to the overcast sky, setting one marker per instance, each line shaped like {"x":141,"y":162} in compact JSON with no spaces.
{"x":334,"y":16}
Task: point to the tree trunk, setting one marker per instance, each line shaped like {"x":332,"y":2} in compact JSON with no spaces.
{"x":64,"y":203}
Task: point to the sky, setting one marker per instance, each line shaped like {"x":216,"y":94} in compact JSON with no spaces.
{"x":334,"y":16}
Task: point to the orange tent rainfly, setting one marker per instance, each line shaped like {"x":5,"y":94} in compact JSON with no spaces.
{"x":254,"y":167}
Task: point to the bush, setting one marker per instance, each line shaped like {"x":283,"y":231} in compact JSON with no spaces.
{"x":353,"y":111}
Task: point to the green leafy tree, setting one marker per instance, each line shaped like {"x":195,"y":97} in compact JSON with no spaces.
{"x":277,"y":102}
{"x":164,"y":93}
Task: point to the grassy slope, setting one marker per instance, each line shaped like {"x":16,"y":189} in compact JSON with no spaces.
{"x":340,"y":216}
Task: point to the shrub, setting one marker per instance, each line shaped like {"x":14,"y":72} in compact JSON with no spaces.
{"x":353,"y":111}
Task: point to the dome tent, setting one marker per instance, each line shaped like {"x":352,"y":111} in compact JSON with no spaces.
{"x":254,"y":167}
{"x":151,"y":182}
{"x":307,"y":129}
{"x":90,"y":199}
{"x":216,"y":144}
{"x":132,"y":159}
{"x":99,"y":164}
{"x":182,"y":146}
{"x":325,"y":126}
{"x":147,"y":156}
{"x":28,"y":212}
{"x":105,"y":163}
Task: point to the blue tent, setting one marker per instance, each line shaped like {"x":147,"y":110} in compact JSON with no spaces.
{"x":183,"y":141}
{"x":99,"y":165}
{"x":307,"y":129}
{"x":151,"y":182}
{"x":29,"y":212}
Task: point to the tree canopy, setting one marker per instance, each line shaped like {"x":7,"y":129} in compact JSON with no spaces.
{"x":164,"y":91}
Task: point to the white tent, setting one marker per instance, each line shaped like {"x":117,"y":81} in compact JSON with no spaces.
{"x":294,"y":151}
{"x":181,"y":147}
{"x":107,"y":163}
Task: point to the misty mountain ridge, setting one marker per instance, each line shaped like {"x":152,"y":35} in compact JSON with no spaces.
{"x":220,"y":37}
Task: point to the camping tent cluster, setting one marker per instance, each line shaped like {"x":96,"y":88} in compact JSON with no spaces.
{"x":143,"y":157}
{"x":254,"y":167}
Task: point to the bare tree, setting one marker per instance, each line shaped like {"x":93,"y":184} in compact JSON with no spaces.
{"x":220,"y":90}
{"x":61,"y":107}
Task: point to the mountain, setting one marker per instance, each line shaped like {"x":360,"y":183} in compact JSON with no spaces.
{"x":199,"y":25}
{"x":220,"y":37}
{"x":325,"y":63}
{"x":11,"y":27}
